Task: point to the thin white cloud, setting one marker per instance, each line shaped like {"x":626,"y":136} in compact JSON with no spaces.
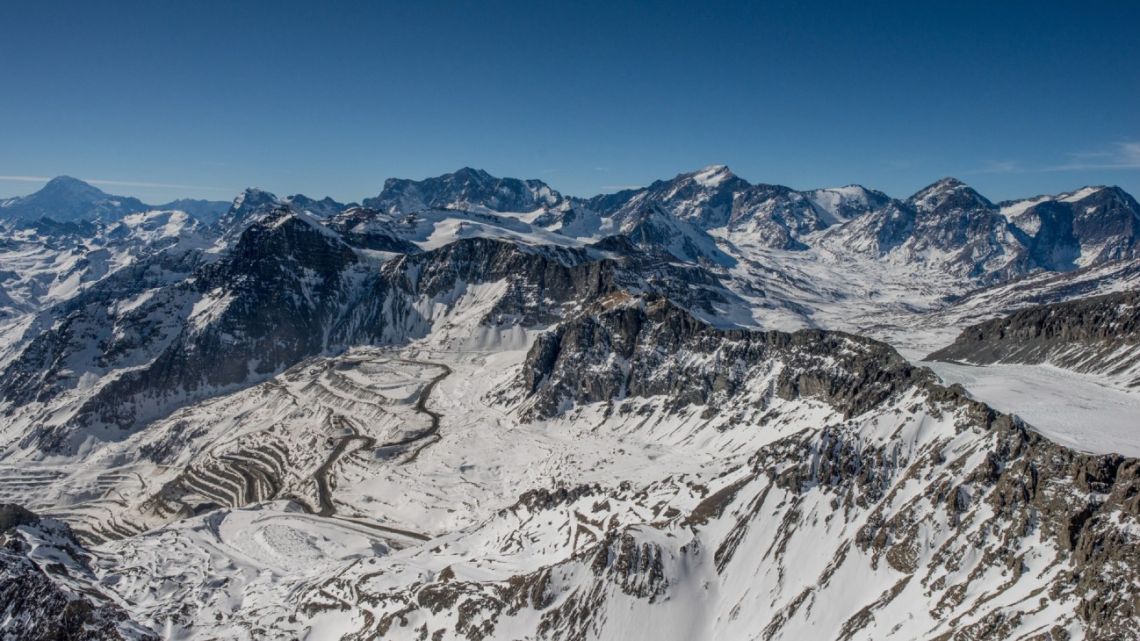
{"x":25,"y":179}
{"x":113,"y":183}
{"x":1121,"y":155}
{"x":999,"y":167}
{"x":1117,"y":156}
{"x":127,"y":183}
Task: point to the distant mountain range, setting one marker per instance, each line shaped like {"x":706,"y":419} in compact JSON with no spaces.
{"x":473,"y":408}
{"x":66,"y":200}
{"x":947,"y":221}
{"x":69,"y":200}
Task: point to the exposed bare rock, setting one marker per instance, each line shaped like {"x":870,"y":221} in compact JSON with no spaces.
{"x":1100,"y":334}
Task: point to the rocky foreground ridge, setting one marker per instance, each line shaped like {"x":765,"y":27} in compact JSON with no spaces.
{"x":973,"y":526}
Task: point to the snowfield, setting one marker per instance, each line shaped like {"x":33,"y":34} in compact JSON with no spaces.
{"x":1084,"y":412}
{"x":467,"y":410}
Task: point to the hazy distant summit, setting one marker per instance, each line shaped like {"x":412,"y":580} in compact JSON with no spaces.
{"x":67,"y":199}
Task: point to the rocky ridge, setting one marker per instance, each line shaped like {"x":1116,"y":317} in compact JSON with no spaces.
{"x":275,"y":390}
{"x":905,"y":484}
{"x":1099,"y":334}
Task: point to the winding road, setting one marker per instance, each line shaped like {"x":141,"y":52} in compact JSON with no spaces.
{"x":321,"y":475}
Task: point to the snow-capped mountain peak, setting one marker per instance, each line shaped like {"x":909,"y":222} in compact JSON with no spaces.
{"x":847,"y":202}
{"x":67,"y":199}
{"x":713,"y":175}
{"x":473,"y":174}
{"x":466,"y":188}
{"x":251,"y":195}
{"x":1081,"y":193}
{"x":476,"y":409}
{"x":652,"y":228}
{"x":68,"y":187}
{"x":948,"y":193}
{"x":250,"y":203}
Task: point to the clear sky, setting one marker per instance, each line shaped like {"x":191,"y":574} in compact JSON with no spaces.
{"x":165,"y":99}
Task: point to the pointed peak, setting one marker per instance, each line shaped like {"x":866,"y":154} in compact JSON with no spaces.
{"x":940,"y":186}
{"x":1115,"y":191}
{"x":71,"y":186}
{"x":469,"y":173}
{"x":948,"y":191}
{"x":716,"y":168}
{"x":249,"y":201}
{"x":712,"y":175}
{"x":65,"y":199}
{"x":252,"y":194}
{"x":949,"y":182}
{"x":64,"y":179}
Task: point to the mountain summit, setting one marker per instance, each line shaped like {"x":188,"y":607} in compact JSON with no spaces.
{"x":477,"y":409}
{"x":948,"y":193}
{"x":67,"y":187}
{"x":67,"y":199}
{"x":464,"y":189}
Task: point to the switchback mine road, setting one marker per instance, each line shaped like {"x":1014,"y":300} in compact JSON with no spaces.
{"x":321,"y":476}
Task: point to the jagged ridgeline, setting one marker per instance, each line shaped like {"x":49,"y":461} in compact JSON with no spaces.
{"x":946,"y":518}
{"x":475,"y":408}
{"x":289,"y":289}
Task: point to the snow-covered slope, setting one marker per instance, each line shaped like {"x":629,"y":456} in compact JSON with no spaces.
{"x":953,"y":227}
{"x":177,"y":328}
{"x":474,"y":408}
{"x":46,"y":263}
{"x":65,"y":199}
{"x":205,"y":211}
{"x":49,"y":589}
{"x":715,"y":198}
{"x":948,"y":225}
{"x":633,"y":465}
{"x":875,"y":523}
{"x":1090,"y":226}
{"x":654,"y":229}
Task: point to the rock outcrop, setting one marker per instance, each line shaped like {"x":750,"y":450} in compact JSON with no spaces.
{"x":1099,"y":334}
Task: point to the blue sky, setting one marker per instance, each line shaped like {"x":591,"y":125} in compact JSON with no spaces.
{"x":164,"y":99}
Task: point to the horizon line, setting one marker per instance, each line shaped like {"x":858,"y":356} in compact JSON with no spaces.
{"x":604,"y":189}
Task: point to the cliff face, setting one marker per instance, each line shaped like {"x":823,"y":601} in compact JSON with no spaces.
{"x":904,"y":509}
{"x":478,"y":410}
{"x":644,"y":348}
{"x":176,"y":328}
{"x":1100,"y":334}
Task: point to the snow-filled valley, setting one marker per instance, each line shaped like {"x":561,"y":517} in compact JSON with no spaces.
{"x":474,"y":408}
